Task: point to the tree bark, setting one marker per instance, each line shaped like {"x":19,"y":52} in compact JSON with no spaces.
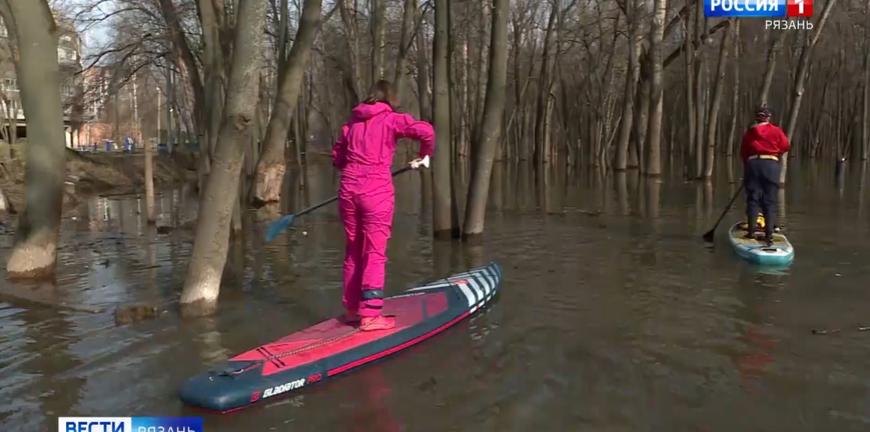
{"x":800,"y":81}
{"x":700,"y":79}
{"x":350,"y":26}
{"x":214,"y":70}
{"x":424,"y":87}
{"x":32,"y":25}
{"x":490,"y":134}
{"x":653,"y":166}
{"x":775,"y":46}
{"x":405,"y":41}
{"x":865,"y":112}
{"x":442,"y":218}
{"x":150,"y":215}
{"x":544,"y":79}
{"x":690,"y":100}
{"x":631,"y":81}
{"x":735,"y":97}
{"x":209,"y":255}
{"x":283,"y":33}
{"x":715,"y":104}
{"x":641,"y":115}
{"x":379,"y":38}
{"x":272,"y":164}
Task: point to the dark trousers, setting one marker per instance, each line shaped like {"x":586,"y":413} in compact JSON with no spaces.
{"x":761,"y":180}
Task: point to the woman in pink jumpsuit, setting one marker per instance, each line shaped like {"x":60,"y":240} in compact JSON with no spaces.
{"x":364,"y":154}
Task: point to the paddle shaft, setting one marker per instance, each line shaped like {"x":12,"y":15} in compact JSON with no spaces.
{"x":335,"y":198}
{"x":724,"y":212}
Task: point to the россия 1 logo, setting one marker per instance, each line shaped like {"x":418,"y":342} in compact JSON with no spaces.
{"x":758,"y":8}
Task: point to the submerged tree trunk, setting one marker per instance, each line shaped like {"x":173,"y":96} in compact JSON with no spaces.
{"x":865,"y":111}
{"x":442,"y":218}
{"x":150,"y":216}
{"x":631,"y":81}
{"x":653,"y":165}
{"x":490,"y":133}
{"x":690,"y":100}
{"x":715,"y":103}
{"x":541,"y":124}
{"x":209,"y":255}
{"x":641,"y":115}
{"x":272,"y":163}
{"x":800,"y":81}
{"x":32,"y":26}
{"x":699,"y":80}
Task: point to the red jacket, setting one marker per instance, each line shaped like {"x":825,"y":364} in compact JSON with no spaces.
{"x":764,"y":139}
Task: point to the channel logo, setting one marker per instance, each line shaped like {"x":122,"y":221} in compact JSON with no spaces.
{"x":129,"y":424}
{"x":758,"y":8}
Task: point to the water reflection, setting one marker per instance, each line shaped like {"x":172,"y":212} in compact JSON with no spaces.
{"x":618,"y":320}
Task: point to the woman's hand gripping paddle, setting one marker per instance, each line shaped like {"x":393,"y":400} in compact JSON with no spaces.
{"x":279,"y":225}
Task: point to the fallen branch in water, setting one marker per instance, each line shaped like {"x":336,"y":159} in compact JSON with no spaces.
{"x":135,"y":312}
{"x":833,"y":331}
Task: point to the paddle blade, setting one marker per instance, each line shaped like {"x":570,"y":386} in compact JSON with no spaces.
{"x":277,"y":227}
{"x":708,"y":237}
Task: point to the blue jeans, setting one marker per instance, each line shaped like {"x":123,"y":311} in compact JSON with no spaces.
{"x":761,"y":180}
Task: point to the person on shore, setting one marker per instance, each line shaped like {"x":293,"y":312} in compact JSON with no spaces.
{"x":364,"y":153}
{"x":762,"y":149}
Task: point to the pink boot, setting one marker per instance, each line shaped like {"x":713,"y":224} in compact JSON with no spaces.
{"x":375,"y":323}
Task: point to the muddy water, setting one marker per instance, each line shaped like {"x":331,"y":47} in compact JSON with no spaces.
{"x":619,"y":321}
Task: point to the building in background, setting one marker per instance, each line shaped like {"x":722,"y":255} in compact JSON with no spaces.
{"x":13,"y":122}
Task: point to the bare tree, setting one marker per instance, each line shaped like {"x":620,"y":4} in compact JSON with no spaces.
{"x":632,"y":76}
{"x":379,"y":37}
{"x":406,"y":40}
{"x":32,"y":25}
{"x":207,"y":261}
{"x":490,"y":133}
{"x":800,"y":80}
{"x":865,"y":112}
{"x":443,"y":211}
{"x":715,"y":104}
{"x":271,"y":166}
{"x":656,"y":106}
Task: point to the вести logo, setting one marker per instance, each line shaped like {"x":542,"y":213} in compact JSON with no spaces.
{"x":129,"y":424}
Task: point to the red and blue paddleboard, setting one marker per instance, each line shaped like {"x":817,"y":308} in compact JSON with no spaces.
{"x":334,"y":346}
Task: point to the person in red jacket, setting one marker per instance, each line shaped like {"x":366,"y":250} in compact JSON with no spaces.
{"x":762,"y":149}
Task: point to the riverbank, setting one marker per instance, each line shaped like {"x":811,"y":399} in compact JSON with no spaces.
{"x":91,"y":174}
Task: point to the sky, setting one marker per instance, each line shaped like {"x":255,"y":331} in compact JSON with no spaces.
{"x":94,"y":35}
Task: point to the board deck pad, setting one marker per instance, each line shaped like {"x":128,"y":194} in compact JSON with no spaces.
{"x":334,"y":346}
{"x":780,"y":252}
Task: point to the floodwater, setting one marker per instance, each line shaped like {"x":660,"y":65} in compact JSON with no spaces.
{"x":618,"y":321}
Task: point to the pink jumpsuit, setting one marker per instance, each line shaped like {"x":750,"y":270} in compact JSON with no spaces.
{"x":364,"y":153}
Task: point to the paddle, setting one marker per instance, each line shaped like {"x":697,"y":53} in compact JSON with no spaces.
{"x":708,"y":237}
{"x":279,"y":225}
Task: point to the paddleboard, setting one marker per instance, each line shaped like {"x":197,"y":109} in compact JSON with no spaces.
{"x":332,"y":347}
{"x":780,"y":253}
